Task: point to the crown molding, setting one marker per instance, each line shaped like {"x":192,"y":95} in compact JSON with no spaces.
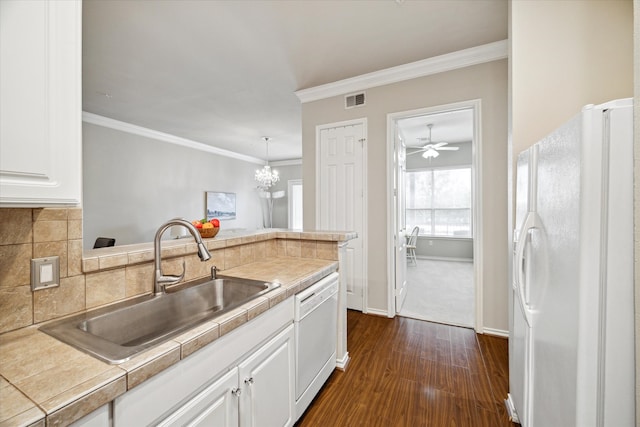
{"x":164,"y":137}
{"x":438,"y":64}
{"x":292,"y":162}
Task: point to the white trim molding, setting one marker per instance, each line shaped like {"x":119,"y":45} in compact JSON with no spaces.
{"x":437,"y":64}
{"x":292,"y":162}
{"x":164,"y":137}
{"x":343,"y":362}
{"x":495,"y":332}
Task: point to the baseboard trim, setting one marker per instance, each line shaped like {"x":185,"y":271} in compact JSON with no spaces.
{"x":343,"y":362}
{"x":442,"y":258}
{"x":495,"y":332}
{"x":511,"y":409}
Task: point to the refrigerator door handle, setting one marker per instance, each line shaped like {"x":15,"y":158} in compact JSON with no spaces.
{"x":531,"y":222}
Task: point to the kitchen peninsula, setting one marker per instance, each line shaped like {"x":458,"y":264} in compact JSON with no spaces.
{"x":46,"y":382}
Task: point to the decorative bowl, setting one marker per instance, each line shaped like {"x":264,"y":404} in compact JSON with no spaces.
{"x":208,"y":233}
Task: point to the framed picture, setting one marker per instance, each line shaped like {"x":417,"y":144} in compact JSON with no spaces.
{"x":220,"y":205}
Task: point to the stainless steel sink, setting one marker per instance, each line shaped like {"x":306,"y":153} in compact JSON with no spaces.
{"x":116,"y":333}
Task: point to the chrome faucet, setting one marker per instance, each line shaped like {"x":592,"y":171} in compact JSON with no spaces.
{"x":161,"y":281}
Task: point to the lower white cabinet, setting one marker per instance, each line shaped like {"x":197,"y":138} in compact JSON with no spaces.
{"x":267,"y":384}
{"x":259,"y":391}
{"x":216,"y":405}
{"x":244,"y":378}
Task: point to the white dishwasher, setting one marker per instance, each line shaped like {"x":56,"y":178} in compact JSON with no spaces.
{"x":316,"y":313}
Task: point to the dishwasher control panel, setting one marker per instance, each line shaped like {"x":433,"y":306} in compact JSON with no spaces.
{"x":313,"y":296}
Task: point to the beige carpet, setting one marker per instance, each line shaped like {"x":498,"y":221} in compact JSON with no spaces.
{"x":440,"y":291}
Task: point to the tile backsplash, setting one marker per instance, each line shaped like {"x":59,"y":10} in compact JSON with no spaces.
{"x":35,"y":233}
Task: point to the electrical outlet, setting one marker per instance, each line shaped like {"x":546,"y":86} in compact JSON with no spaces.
{"x":430,"y":242}
{"x":45,"y":273}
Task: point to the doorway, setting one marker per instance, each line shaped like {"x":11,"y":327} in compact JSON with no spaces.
{"x":434,"y":185}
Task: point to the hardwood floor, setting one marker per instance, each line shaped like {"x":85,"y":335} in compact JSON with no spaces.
{"x":407,"y":372}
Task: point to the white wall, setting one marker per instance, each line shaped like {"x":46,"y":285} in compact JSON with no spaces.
{"x":564,"y":55}
{"x":487,"y":82}
{"x":442,"y":248}
{"x":132,"y":184}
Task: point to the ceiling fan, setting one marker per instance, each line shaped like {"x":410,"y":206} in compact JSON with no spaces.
{"x":430,"y":150}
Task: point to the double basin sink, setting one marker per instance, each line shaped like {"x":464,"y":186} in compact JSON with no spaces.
{"x":116,"y":333}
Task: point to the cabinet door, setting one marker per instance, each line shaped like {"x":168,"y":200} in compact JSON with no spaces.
{"x":216,"y":405}
{"x":267,"y":380}
{"x":101,"y":417}
{"x":40,"y":102}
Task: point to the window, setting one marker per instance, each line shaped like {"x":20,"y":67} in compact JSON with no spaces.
{"x":439,"y":202}
{"x":295,"y":204}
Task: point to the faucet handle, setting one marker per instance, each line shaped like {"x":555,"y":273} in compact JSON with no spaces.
{"x":214,"y":272}
{"x":171,"y":279}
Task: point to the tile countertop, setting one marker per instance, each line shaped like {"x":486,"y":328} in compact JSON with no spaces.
{"x":41,"y":376}
{"x":104,"y":258}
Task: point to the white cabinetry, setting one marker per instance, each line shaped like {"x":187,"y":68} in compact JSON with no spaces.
{"x":257,"y":392}
{"x":40,"y":103}
{"x":101,"y":417}
{"x":216,"y":405}
{"x":267,"y":379}
{"x":196,"y":388}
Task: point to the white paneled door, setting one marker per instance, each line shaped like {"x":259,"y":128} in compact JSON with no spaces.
{"x":340,"y":204}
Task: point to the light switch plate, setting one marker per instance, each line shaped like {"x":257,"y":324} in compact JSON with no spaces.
{"x":45,"y":273}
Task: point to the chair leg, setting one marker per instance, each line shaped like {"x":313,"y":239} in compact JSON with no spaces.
{"x":412,"y":256}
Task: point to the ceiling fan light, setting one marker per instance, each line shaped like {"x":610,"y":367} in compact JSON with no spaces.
{"x":430,"y":153}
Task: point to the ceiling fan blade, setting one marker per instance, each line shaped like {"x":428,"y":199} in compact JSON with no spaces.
{"x":439,"y":144}
{"x":448,"y":148}
{"x":416,"y":152}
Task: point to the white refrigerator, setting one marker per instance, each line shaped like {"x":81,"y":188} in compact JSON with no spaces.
{"x":571,"y":338}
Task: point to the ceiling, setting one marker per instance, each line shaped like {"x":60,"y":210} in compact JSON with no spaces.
{"x":451,"y":127}
{"x":224,"y":73}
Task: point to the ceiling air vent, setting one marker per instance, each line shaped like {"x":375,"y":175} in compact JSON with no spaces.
{"x":355,"y":100}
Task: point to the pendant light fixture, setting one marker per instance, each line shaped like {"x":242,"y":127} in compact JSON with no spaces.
{"x":266,"y":177}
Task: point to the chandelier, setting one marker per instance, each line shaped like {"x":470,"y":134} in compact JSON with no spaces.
{"x":265,"y":176}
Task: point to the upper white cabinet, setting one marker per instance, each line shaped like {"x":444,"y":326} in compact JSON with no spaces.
{"x":40,"y":102}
